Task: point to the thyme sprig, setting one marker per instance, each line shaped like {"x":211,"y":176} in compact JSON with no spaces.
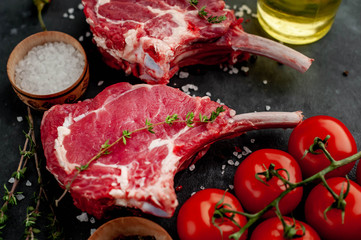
{"x":339,"y":202}
{"x":149,"y":126}
{"x":204,"y":14}
{"x":9,"y":198}
{"x":27,"y":152}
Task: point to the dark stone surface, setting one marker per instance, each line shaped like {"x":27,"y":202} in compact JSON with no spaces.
{"x":321,"y":90}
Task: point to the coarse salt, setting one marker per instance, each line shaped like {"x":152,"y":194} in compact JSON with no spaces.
{"x":19,"y":118}
{"x":49,"y":68}
{"x":83,"y":217}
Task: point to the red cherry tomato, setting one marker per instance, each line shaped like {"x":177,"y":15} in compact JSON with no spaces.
{"x":340,"y":145}
{"x":194,"y":221}
{"x":272,"y":229}
{"x":254,"y":195}
{"x":332,"y":228}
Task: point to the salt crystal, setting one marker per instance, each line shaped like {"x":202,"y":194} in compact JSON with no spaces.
{"x":81,"y":38}
{"x":231,"y":186}
{"x":236,"y":163}
{"x":11,"y":180}
{"x":28,"y":183}
{"x":13,"y":31}
{"x":71,"y":10}
{"x":265,"y":82}
{"x":239,"y":156}
{"x":92,"y":230}
{"x":88,"y":34}
{"x":222,"y":172}
{"x":223,"y":166}
{"x":183,"y":74}
{"x":230,"y":162}
{"x":268,"y":108}
{"x":65,"y":15}
{"x":202,"y":187}
{"x":244,"y":69}
{"x":71,"y":16}
{"x":19,"y":197}
{"x":19,"y":118}
{"x":100,"y":83}
{"x":246,"y":151}
{"x":80,"y":6}
{"x":235,"y":154}
{"x":253,"y":140}
{"x":83,"y":217}
{"x":188,"y":87}
{"x":192,"y":167}
{"x":92,"y":220}
{"x":208,"y":94}
{"x":49,"y":68}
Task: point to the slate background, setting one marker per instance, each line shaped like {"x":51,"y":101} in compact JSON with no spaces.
{"x":321,"y":90}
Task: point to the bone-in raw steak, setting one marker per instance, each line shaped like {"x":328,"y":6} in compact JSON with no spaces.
{"x":152,"y":39}
{"x":139,"y":174}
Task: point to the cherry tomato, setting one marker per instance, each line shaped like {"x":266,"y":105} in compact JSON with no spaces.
{"x":194,"y":220}
{"x":340,"y":145}
{"x":272,"y":229}
{"x":332,"y":228}
{"x":254,"y":195}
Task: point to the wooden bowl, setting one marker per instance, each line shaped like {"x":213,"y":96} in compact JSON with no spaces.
{"x":129,"y":226}
{"x":44,"y":102}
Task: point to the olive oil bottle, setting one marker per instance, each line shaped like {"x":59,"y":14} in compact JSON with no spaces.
{"x":297,"y":21}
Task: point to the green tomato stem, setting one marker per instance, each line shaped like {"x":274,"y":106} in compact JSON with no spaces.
{"x":320,"y":175}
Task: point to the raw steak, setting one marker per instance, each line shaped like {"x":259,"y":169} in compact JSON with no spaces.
{"x":152,"y":39}
{"x":139,"y":174}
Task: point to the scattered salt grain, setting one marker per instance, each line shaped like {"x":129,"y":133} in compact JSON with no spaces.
{"x":202,"y":187}
{"x":80,"y":6}
{"x":65,"y":15}
{"x":71,"y":16}
{"x":11,"y":180}
{"x":83,"y":217}
{"x":87,"y":34}
{"x":265,"y":82}
{"x":192,"y":167}
{"x":236,"y":163}
{"x":230,"y":162}
{"x":208,"y":94}
{"x":183,"y":74}
{"x":92,"y":220}
{"x":49,"y":68}
{"x":254,"y":15}
{"x":219,"y":101}
{"x":19,"y":197}
{"x":28,"y":183}
{"x":100,"y":83}
{"x":243,"y":9}
{"x":13,"y":31}
{"x":19,"y":118}
{"x":235,"y":154}
{"x":223,"y":166}
{"x":246,"y":151}
{"x":253,"y":140}
{"x":231,"y":186}
{"x":188,"y":87}
{"x":81,"y":38}
{"x":71,"y":10}
{"x":268,"y":108}
{"x":244,"y":69}
{"x":92,"y":231}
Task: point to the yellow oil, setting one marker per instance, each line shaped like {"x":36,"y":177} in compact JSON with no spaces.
{"x":297,"y":21}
